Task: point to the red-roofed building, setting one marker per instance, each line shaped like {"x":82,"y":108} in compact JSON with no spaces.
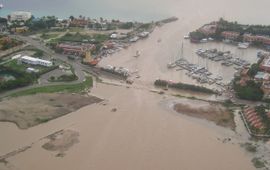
{"x":78,"y":23}
{"x":230,"y":35}
{"x":76,"y":49}
{"x":256,"y":38}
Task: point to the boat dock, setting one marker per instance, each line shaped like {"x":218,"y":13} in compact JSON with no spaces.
{"x":199,"y":73}
{"x":226,"y":58}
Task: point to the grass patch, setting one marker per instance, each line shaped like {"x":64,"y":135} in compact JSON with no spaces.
{"x":72,"y":88}
{"x":183,"y":86}
{"x":42,"y":120}
{"x":46,"y":36}
{"x":258,"y":163}
{"x":249,"y":147}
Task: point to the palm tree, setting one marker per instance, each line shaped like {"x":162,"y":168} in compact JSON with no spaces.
{"x":71,"y":18}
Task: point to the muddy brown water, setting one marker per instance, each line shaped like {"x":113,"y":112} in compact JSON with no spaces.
{"x":142,"y":134}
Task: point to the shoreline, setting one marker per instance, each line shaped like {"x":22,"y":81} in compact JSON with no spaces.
{"x":139,"y":134}
{"x":52,"y":106}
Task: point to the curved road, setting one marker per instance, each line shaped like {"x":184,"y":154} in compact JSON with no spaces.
{"x":78,"y":68}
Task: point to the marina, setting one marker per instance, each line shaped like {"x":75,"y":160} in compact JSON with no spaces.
{"x":226,"y":58}
{"x":135,"y":127}
{"x":201,"y":74}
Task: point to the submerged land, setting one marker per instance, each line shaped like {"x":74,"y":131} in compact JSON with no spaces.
{"x":43,"y":107}
{"x":213,"y":112}
{"x":98,"y":103}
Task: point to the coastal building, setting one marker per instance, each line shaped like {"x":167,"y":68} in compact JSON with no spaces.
{"x":20,"y":29}
{"x":20,"y":16}
{"x":244,"y":72}
{"x":265,"y":64}
{"x":253,"y":119}
{"x":266,"y":88}
{"x":76,"y":49}
{"x":35,"y":61}
{"x":81,"y":22}
{"x":261,"y":76}
{"x":265,"y":40}
{"x":230,"y":35}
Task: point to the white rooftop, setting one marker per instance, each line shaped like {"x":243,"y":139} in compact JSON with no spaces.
{"x":35,"y":59}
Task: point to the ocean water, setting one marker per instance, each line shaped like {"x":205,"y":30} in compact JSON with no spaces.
{"x":139,"y":10}
{"x":245,"y":11}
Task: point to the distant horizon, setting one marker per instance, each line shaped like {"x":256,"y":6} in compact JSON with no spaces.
{"x":140,"y":11}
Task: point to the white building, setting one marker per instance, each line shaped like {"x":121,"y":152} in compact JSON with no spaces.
{"x":20,"y":16}
{"x":32,"y":70}
{"x":36,"y":61}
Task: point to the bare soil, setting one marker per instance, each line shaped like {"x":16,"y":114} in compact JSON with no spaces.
{"x":28,"y":111}
{"x":216,"y":113}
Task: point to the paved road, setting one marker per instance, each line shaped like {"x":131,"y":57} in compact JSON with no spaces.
{"x":78,"y":67}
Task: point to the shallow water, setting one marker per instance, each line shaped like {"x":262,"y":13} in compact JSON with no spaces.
{"x":142,"y":134}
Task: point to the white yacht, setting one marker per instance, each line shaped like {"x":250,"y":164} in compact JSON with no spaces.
{"x":243,"y":45}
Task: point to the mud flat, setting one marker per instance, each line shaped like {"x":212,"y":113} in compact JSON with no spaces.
{"x":210,"y":111}
{"x":28,"y":111}
{"x":61,"y":141}
{"x":138,"y":135}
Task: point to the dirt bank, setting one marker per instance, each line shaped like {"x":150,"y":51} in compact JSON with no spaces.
{"x":210,"y":111}
{"x":61,"y":141}
{"x":28,"y":111}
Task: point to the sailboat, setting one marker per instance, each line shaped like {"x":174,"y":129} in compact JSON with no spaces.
{"x":173,"y":63}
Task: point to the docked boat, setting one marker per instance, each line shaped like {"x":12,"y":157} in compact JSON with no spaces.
{"x":205,"y":40}
{"x":243,"y":45}
{"x":171,"y":65}
{"x":186,"y":37}
{"x":134,"y":39}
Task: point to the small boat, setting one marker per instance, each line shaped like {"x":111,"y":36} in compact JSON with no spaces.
{"x":243,"y":45}
{"x":1,"y":6}
{"x":204,"y":40}
{"x":171,"y":65}
{"x":186,"y":37}
{"x":134,"y":39}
